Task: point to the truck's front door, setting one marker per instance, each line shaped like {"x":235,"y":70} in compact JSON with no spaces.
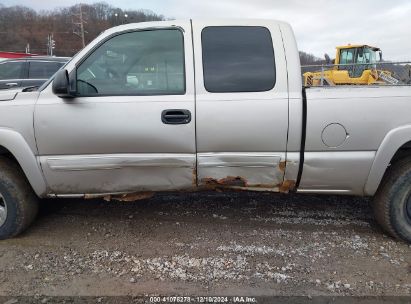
{"x":131,"y":126}
{"x":241,"y":105}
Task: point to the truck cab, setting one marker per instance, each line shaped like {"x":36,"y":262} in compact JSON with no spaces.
{"x":185,"y":104}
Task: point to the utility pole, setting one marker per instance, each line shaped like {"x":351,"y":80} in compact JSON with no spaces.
{"x":51,"y":44}
{"x":79,"y":23}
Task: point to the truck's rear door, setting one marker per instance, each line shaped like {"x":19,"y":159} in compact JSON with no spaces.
{"x":241,"y":104}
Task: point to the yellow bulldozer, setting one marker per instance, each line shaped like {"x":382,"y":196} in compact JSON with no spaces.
{"x":353,"y":65}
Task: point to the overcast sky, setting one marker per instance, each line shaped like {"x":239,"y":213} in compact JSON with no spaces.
{"x":319,"y":25}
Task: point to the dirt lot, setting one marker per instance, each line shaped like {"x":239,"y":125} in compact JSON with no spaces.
{"x":209,"y":244}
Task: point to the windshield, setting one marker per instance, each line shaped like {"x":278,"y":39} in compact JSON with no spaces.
{"x":363,"y":55}
{"x":367,"y":56}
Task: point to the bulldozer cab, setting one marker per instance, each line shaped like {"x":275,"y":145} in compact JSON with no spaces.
{"x":356,"y":59}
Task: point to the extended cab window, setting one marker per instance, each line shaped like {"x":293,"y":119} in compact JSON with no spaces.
{"x":238,"y":59}
{"x":138,"y":63}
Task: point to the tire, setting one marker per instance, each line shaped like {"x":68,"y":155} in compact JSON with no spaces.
{"x":392,"y":202}
{"x":17,"y":200}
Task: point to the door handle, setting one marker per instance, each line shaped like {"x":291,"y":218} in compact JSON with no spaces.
{"x":176,"y":117}
{"x":11,"y":84}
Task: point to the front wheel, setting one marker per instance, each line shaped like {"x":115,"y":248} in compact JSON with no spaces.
{"x":18,"y":202}
{"x":392,"y":202}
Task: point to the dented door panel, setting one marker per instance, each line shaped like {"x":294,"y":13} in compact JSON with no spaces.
{"x":240,"y":170}
{"x":118,"y":173}
{"x":120,"y":143}
{"x":241,"y":136}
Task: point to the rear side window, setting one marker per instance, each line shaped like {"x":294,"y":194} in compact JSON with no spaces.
{"x":238,"y":59}
{"x":11,"y":70}
{"x":43,"y":69}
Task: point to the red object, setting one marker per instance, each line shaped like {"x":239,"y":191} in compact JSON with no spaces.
{"x":14,"y":55}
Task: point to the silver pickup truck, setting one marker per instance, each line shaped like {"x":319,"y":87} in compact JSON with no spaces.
{"x":208,"y":104}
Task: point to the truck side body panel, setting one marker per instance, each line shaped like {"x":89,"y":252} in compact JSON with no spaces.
{"x":346,"y":127}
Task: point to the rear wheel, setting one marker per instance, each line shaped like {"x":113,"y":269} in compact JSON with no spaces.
{"x":3,"y":210}
{"x":18,"y":202}
{"x":392,"y":202}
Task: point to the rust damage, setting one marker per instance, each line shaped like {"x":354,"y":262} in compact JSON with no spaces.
{"x":129,"y":197}
{"x":93,"y":196}
{"x":195,"y":177}
{"x":287,"y":186}
{"x":282,"y":166}
{"x":229,"y":181}
{"x":240,"y":183}
{"x":126,"y":197}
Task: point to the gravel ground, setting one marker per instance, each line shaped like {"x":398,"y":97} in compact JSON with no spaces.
{"x":231,"y":243}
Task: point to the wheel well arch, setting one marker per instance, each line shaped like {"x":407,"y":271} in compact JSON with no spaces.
{"x":395,"y":145}
{"x":403,"y":151}
{"x":14,"y":146}
{"x":6,"y":152}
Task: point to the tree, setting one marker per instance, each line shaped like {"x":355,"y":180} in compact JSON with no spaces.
{"x":310,"y":59}
{"x":21,"y":25}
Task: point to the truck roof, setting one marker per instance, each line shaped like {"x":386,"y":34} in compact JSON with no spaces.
{"x":211,"y":22}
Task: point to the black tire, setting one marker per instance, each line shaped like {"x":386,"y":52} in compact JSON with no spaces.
{"x":392,"y":202}
{"x":18,"y":197}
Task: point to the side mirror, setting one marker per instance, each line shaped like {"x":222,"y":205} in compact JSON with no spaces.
{"x":61,"y":84}
{"x":380,"y":53}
